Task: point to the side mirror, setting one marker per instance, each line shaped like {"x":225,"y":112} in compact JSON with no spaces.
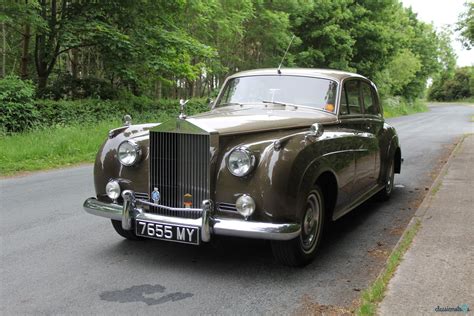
{"x":315,"y":131}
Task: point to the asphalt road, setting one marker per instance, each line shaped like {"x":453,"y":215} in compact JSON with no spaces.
{"x":56,"y":259}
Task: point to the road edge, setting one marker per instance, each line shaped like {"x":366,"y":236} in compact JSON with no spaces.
{"x":411,"y":229}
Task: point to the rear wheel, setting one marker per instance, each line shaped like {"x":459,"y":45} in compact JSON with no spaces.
{"x":386,"y":192}
{"x":301,"y":250}
{"x":128,"y":234}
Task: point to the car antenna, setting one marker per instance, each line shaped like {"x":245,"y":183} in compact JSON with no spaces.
{"x":288,"y":48}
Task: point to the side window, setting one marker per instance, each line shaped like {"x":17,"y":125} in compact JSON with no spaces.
{"x":352,"y":90}
{"x":370,"y":104}
{"x":344,"y":110}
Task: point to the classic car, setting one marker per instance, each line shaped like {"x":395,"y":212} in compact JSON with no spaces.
{"x":280,"y":154}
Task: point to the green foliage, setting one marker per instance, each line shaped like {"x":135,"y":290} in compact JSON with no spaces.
{"x":427,"y":46}
{"x":330,"y":44}
{"x":378,"y":39}
{"x":172,"y":49}
{"x":17,"y":110}
{"x":49,"y":113}
{"x":399,"y":73}
{"x":397,"y":106}
{"x":68,"y":87}
{"x":460,"y":86}
{"x":466,"y":26}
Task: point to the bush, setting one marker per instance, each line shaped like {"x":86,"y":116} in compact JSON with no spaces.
{"x":17,"y":110}
{"x":66,"y":87}
{"x":396,"y":106}
{"x":67,"y":112}
{"x":450,"y":89}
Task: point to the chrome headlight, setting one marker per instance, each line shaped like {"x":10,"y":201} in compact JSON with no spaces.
{"x":241,"y":162}
{"x":128,"y":153}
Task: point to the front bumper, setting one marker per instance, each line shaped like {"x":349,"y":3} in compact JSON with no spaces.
{"x":209,"y":223}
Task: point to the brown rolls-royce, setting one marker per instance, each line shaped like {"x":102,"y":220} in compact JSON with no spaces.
{"x":280,"y":153}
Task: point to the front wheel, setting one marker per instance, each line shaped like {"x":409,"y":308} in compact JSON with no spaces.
{"x":301,"y":250}
{"x":128,"y":234}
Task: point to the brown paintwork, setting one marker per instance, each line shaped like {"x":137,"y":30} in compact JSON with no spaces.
{"x":354,"y":149}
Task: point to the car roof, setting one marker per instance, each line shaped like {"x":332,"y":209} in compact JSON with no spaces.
{"x":337,"y":75}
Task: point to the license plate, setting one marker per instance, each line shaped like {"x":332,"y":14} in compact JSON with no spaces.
{"x":170,"y":232}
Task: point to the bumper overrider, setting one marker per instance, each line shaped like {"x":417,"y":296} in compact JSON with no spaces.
{"x":209,"y":223}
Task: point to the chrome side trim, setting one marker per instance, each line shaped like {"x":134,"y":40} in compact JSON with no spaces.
{"x":208,"y":223}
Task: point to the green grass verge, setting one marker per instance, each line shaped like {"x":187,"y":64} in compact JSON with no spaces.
{"x":375,"y":293}
{"x":393,"y":107}
{"x":52,"y":147}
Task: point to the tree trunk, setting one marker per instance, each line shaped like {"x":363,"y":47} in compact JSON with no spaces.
{"x":42,"y":81}
{"x":25,"y":52}
{"x":158,"y":90}
{"x":191,"y":89}
{"x":4,"y":50}
{"x":74,"y":63}
{"x":48,"y":43}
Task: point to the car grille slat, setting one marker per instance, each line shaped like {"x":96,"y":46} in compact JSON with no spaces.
{"x":179,"y":165}
{"x":226,"y":207}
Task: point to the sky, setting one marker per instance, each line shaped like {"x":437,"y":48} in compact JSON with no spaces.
{"x":441,"y":13}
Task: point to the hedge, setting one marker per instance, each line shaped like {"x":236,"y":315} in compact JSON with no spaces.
{"x":91,"y":110}
{"x":19,"y":111}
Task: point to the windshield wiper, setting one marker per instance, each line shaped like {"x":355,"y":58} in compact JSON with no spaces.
{"x":280,"y":103}
{"x":230,"y":103}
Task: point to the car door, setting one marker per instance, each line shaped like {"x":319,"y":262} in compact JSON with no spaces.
{"x":362,"y":142}
{"x":374,"y":125}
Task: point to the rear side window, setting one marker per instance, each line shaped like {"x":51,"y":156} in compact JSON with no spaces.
{"x":344,"y":106}
{"x":370,"y":103}
{"x":353,"y":100}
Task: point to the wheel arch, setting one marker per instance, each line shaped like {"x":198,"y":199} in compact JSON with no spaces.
{"x":322,"y":174}
{"x":327,"y":181}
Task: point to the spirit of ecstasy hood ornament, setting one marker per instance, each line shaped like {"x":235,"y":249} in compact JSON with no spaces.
{"x":182,"y":107}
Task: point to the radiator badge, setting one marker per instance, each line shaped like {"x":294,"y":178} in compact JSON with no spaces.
{"x":188,"y":200}
{"x":155,"y":195}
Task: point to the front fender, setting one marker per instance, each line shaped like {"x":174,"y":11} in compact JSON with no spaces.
{"x":108,"y":167}
{"x":268,"y":184}
{"x":282,"y":177}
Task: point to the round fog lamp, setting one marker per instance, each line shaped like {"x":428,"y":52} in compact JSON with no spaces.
{"x":245,"y":205}
{"x":113,"y":189}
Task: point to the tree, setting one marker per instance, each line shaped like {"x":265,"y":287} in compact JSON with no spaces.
{"x":326,"y":41}
{"x":465,"y":26}
{"x":460,"y":86}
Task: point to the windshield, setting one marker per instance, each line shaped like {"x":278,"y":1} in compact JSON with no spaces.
{"x":292,"y":90}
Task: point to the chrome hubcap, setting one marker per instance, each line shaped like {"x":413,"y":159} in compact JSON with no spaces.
{"x":390,"y":176}
{"x":311,"y":222}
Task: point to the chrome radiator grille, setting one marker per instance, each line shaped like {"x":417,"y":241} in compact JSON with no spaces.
{"x":179,"y":165}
